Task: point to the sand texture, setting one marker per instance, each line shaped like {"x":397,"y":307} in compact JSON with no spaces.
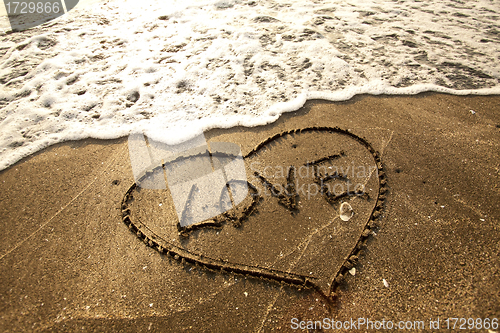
{"x":423,"y":239}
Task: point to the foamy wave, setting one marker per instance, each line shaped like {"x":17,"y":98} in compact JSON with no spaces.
{"x":111,"y":69}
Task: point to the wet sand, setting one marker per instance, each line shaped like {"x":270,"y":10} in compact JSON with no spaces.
{"x":69,"y":262}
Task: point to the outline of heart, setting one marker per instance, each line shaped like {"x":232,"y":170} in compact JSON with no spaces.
{"x":164,"y":247}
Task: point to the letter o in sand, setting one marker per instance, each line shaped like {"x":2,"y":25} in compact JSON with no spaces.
{"x":346,"y":211}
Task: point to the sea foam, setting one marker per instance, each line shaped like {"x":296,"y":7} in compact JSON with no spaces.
{"x":170,"y":69}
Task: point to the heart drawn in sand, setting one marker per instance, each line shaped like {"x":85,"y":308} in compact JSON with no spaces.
{"x":309,"y":202}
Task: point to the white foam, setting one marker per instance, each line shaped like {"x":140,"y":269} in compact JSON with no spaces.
{"x":226,"y":63}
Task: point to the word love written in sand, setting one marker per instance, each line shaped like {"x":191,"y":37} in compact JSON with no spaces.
{"x":311,"y":198}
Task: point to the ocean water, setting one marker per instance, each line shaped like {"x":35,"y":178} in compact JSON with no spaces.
{"x":169,"y":69}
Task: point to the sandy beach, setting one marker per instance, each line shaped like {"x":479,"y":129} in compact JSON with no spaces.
{"x":70,"y":263}
{"x":342,"y":170}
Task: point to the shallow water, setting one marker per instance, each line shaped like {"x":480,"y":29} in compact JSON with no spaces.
{"x":171,"y":68}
